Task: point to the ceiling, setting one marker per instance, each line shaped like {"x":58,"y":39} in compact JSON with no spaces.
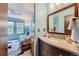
{"x":22,"y":10}
{"x":26,"y":9}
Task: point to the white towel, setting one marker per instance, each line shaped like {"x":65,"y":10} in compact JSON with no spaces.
{"x":77,"y":23}
{"x":71,"y":25}
{"x":75,"y":31}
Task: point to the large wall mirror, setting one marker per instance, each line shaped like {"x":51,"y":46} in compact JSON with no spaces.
{"x":58,"y":21}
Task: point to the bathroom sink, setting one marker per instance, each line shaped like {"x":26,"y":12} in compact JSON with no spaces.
{"x":62,"y":41}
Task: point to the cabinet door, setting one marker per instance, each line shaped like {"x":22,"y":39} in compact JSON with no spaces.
{"x":42,"y":49}
{"x":48,"y":50}
{"x":43,"y":52}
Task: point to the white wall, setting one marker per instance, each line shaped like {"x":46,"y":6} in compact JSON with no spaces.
{"x":52,"y":7}
{"x":40,"y":22}
{"x":41,"y":17}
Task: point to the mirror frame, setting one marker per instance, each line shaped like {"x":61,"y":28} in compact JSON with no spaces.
{"x":75,"y":14}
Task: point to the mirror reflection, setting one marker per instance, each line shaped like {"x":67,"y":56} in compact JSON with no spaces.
{"x":59,"y":21}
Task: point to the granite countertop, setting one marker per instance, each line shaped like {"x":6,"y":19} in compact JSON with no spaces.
{"x":61,"y":44}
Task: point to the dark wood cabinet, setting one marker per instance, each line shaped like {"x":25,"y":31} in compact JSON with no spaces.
{"x":32,"y":46}
{"x":48,"y":50}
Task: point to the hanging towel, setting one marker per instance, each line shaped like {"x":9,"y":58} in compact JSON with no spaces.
{"x":71,"y":25}
{"x":75,"y":31}
{"x":77,"y":24}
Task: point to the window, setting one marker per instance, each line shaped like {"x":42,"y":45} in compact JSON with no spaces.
{"x":10,"y":27}
{"x":19,"y":27}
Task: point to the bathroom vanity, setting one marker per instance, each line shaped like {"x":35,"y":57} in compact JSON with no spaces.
{"x":51,"y":46}
{"x":56,"y":43}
